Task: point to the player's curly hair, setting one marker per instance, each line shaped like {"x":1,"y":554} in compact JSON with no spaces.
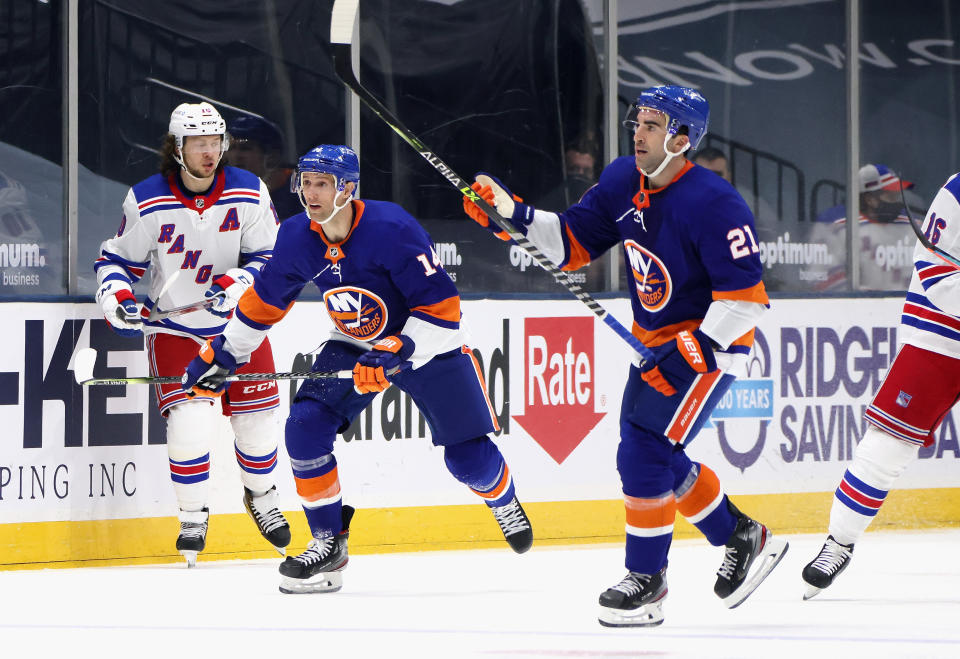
{"x":169,"y":164}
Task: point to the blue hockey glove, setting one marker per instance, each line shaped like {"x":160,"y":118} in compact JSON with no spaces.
{"x":206,"y":374}
{"x":678,"y":362}
{"x":227,"y":289}
{"x":372,"y":368}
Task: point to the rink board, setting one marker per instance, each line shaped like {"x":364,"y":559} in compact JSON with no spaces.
{"x":83,"y":471}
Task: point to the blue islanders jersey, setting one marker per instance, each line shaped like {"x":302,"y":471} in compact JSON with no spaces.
{"x":383,"y":279}
{"x":685,"y":245}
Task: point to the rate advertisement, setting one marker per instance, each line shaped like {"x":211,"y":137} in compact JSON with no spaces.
{"x":554,"y":375}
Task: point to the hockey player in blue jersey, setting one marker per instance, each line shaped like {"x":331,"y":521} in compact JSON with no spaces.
{"x":696,"y":291}
{"x":396,"y":315}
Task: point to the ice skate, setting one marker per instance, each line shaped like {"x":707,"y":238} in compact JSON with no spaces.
{"x":266,"y":515}
{"x":515,"y":525}
{"x":318,"y":569}
{"x":751,"y":554}
{"x":193,"y":534}
{"x":827,"y":566}
{"x":637,"y":601}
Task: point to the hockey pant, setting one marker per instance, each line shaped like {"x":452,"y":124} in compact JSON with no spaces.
{"x":191,"y":426}
{"x":323,"y":408}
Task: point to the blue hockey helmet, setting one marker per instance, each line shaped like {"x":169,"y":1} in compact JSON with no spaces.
{"x":337,"y":160}
{"x":682,"y":106}
{"x":257,"y":129}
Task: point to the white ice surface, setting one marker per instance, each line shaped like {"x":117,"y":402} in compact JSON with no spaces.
{"x":900,"y":597}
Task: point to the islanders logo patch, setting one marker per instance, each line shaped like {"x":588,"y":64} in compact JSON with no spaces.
{"x":654,"y":286}
{"x":356,"y":312}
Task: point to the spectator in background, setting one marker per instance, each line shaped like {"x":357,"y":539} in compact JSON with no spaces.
{"x":256,"y":145}
{"x":886,"y":240}
{"x":715,"y":160}
{"x":580,"y":168}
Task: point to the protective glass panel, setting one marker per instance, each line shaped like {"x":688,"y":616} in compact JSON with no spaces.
{"x":31,"y":201}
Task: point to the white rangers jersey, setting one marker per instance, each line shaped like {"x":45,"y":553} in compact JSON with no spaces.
{"x":200,"y":237}
{"x":931,"y":311}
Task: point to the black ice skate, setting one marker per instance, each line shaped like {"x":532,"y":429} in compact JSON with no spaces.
{"x":266,"y":515}
{"x":751,"y":554}
{"x":637,"y":601}
{"x":827,"y":566}
{"x":318,"y":569}
{"x":193,"y":534}
{"x":515,"y":525}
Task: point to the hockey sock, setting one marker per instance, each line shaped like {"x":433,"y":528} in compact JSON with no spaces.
{"x":649,"y":531}
{"x":478,"y":464}
{"x":879,"y":460}
{"x":318,"y":485}
{"x":701,"y":500}
{"x":190,"y":425}
{"x":256,"y":448}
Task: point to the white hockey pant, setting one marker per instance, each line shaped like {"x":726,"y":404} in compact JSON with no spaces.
{"x":878,"y":461}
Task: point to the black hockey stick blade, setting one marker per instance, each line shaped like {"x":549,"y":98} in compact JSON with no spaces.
{"x":85,"y":359}
{"x":922,"y":237}
{"x":342,"y":21}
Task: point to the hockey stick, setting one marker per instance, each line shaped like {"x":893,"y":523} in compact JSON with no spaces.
{"x":342,"y":20}
{"x":157,"y":314}
{"x":85,"y":358}
{"x":922,"y":237}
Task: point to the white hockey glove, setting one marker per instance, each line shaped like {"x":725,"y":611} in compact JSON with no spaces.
{"x":120,"y":308}
{"x":227,"y":289}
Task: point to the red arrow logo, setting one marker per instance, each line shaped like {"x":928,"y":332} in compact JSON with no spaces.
{"x":559,"y":383}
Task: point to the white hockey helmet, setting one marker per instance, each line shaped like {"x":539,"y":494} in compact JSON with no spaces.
{"x":189,"y":119}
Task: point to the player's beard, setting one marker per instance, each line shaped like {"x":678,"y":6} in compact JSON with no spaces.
{"x":196,"y":173}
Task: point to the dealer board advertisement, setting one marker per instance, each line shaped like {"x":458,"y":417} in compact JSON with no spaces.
{"x":554,"y":374}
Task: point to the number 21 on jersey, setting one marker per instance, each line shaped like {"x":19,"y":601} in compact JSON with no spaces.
{"x":738,"y":242}
{"x":429,"y":269}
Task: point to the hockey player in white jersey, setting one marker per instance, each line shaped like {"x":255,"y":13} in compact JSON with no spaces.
{"x":918,"y":391}
{"x":204,"y":230}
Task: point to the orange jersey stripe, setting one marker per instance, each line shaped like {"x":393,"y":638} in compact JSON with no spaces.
{"x":319,"y":487}
{"x":704,"y":492}
{"x":578,"y":254}
{"x":665,"y":334}
{"x":756,"y":293}
{"x":448,"y":309}
{"x":258,"y":311}
{"x":650,"y":513}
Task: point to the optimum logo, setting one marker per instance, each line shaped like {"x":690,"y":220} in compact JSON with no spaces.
{"x":21,"y":255}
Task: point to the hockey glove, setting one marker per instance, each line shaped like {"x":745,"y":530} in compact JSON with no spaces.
{"x":206,"y":374}
{"x":388,"y":356}
{"x":120,"y":308}
{"x":227,"y":289}
{"x":495,"y":193}
{"x":688,"y":356}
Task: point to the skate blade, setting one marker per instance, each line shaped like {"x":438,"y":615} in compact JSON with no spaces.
{"x":812,"y":591}
{"x":771,"y":555}
{"x":326,"y":582}
{"x":649,"y":615}
{"x":280,"y":550}
{"x":190,"y":556}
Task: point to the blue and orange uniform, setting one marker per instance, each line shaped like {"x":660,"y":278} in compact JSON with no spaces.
{"x":383,"y":279}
